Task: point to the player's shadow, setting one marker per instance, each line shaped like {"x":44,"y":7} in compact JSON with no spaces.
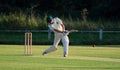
{"x":81,"y":67}
{"x":14,"y":55}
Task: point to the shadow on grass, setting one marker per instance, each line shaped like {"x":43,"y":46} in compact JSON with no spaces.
{"x":15,"y":55}
{"x":85,"y":67}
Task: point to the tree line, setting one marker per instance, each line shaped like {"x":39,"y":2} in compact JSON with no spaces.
{"x":31,"y":14}
{"x":96,"y":8}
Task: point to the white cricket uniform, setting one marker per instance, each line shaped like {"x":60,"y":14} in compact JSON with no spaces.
{"x":58,"y":37}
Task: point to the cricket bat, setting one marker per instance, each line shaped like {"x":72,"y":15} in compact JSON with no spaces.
{"x":73,"y":30}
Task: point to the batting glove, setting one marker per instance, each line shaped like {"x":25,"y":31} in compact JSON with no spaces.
{"x":65,"y":33}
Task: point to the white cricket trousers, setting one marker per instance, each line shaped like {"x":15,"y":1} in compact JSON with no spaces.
{"x":65,"y":42}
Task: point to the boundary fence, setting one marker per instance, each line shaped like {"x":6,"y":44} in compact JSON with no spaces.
{"x":101,"y":32}
{"x":46,"y":37}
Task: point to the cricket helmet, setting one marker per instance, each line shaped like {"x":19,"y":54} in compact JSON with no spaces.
{"x":49,"y":19}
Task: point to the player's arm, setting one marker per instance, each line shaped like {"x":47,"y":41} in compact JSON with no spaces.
{"x":61,"y":23}
{"x":63,"y":27}
{"x":58,"y":31}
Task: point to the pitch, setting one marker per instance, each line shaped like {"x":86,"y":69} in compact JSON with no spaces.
{"x":80,"y":58}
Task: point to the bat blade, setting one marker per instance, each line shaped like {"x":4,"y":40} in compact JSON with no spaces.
{"x":73,"y":30}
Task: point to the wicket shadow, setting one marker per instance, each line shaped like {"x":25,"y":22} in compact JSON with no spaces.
{"x":15,"y":55}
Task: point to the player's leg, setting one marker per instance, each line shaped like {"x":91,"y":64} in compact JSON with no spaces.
{"x":54,"y":46}
{"x":65,"y":41}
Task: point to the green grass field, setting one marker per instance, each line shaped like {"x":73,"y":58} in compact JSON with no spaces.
{"x":80,"y":58}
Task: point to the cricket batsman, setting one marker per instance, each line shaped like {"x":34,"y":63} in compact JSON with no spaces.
{"x":56,"y":25}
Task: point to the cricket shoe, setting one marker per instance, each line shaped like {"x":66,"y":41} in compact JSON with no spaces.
{"x":65,"y":55}
{"x":44,"y":53}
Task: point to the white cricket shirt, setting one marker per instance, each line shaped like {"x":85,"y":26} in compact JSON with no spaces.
{"x":56,"y":25}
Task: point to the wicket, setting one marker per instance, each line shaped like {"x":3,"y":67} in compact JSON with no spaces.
{"x":28,"y":43}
